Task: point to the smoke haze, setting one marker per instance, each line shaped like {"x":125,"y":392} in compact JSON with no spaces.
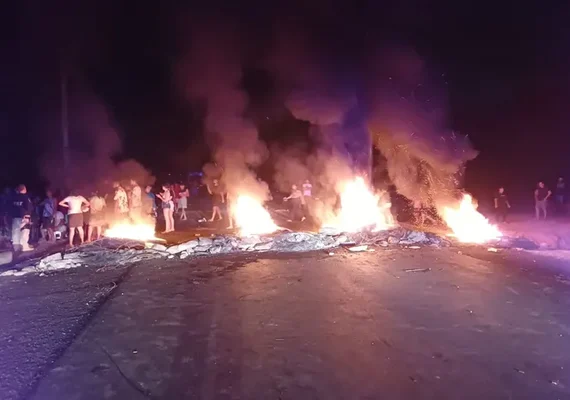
{"x":211,"y":71}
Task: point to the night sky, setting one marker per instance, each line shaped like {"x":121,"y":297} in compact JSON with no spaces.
{"x":500,"y":73}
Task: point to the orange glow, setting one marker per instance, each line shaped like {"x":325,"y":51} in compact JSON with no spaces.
{"x":361,"y":208}
{"x":467,"y":224}
{"x":251,"y":217}
{"x":140,"y":232}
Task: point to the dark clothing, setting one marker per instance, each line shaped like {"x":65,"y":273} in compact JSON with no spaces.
{"x":560,"y":189}
{"x":21,"y":205}
{"x":47,"y":222}
{"x":541,"y":193}
{"x":502,"y":200}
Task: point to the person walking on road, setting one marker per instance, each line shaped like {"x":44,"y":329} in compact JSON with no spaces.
{"x":541,"y":195}
{"x":502,"y":205}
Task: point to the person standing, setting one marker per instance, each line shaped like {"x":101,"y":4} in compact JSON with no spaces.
{"x":149,"y":202}
{"x":502,"y":205}
{"x":121,"y":202}
{"x":49,"y":208}
{"x":297,"y":204}
{"x":183,"y":195}
{"x":136,"y":201}
{"x":98,"y":205}
{"x":541,"y":195}
{"x":217,"y":194}
{"x":560,"y":196}
{"x":21,"y":218}
{"x":167,"y":208}
{"x":76,"y":204}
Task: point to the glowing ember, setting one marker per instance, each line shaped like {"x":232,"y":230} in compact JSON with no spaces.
{"x":251,"y":217}
{"x":141,"y":232}
{"x":467,"y":224}
{"x":361,"y":208}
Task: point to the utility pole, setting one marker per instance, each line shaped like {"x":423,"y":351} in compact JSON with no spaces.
{"x":64,"y":124}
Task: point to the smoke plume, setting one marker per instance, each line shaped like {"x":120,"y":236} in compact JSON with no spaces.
{"x":212,"y":72}
{"x":424,"y":159}
{"x":95,"y":149}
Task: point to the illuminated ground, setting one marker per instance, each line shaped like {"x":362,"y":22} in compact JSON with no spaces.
{"x":478,"y":325}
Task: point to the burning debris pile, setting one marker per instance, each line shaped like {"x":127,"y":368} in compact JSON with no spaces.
{"x":112,"y":253}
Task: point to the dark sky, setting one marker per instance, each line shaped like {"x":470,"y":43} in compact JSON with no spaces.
{"x":500,"y":72}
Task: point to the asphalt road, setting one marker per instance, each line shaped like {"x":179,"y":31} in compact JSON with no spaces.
{"x":476,"y":325}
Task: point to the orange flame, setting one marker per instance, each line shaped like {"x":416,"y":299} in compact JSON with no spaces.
{"x":251,"y":217}
{"x":361,"y":208}
{"x":467,"y":224}
{"x":141,"y":232}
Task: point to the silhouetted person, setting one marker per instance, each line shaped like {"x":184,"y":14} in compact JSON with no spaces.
{"x":21,"y":219}
{"x":49,"y":208}
{"x":297,"y":204}
{"x":560,"y":195}
{"x":541,"y":195}
{"x":502,"y":205}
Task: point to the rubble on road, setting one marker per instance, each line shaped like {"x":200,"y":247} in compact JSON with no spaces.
{"x":110,"y":253}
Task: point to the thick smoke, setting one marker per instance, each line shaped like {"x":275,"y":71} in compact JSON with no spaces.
{"x":424,"y":159}
{"x":94,"y":149}
{"x":326,"y":106}
{"x":212,"y":72}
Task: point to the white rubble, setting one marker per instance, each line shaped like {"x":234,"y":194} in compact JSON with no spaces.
{"x":6,"y":257}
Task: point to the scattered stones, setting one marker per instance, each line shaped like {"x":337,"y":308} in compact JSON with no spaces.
{"x":330,"y":231}
{"x":298,"y":237}
{"x":414,"y":237}
{"x":264,"y":246}
{"x":5,"y":257}
{"x":215,"y":249}
{"x":202,"y":248}
{"x":393,"y":240}
{"x":158,"y":247}
{"x":204,"y":241}
{"x":358,"y":248}
{"x":342,"y":239}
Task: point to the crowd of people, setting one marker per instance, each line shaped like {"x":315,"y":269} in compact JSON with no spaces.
{"x":81,"y":217}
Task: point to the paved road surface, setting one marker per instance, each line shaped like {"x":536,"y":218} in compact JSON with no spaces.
{"x":477,"y":325}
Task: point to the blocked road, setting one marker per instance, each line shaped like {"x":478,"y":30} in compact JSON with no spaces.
{"x":348,"y":326}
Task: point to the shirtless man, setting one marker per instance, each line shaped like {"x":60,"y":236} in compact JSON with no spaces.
{"x":75,"y":203}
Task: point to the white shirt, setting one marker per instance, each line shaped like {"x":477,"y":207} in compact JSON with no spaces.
{"x":307,"y":189}
{"x":74,"y":203}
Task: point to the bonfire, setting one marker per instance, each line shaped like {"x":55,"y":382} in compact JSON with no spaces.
{"x":469,"y":225}
{"x":251,"y":217}
{"x":360,"y":209}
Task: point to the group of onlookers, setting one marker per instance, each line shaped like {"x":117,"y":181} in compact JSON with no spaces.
{"x":542,"y":197}
{"x":83,"y":218}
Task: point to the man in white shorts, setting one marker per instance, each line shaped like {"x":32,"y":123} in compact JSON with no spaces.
{"x":75,"y":204}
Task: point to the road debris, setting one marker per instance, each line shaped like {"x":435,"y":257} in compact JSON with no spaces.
{"x":358,"y":248}
{"x":417,"y":270}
